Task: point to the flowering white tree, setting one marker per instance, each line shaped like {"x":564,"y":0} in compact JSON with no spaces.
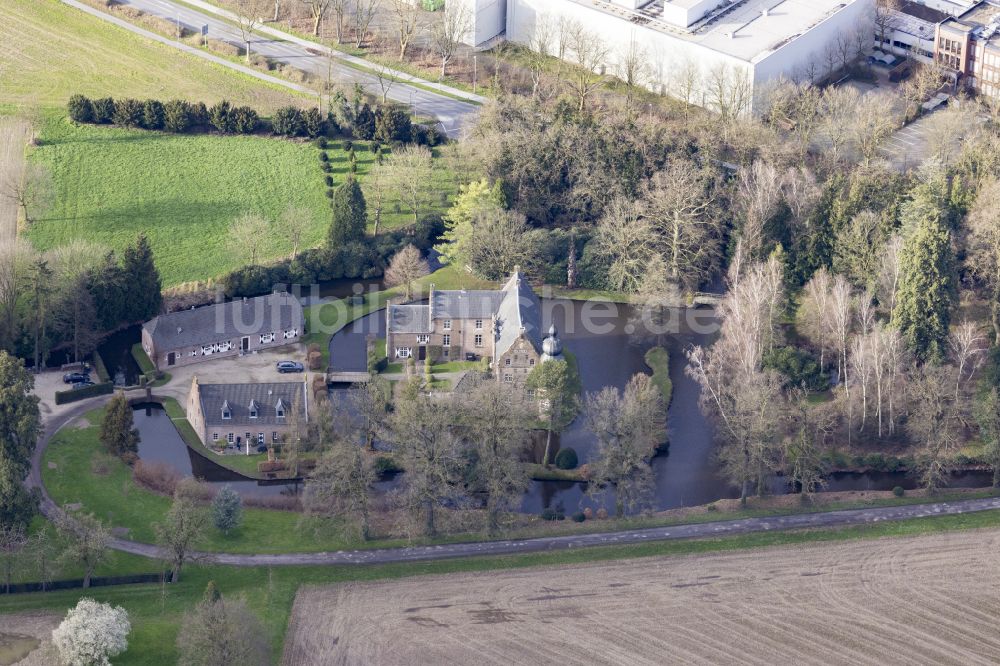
{"x":91,"y":634}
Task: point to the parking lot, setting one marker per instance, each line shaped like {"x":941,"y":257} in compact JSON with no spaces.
{"x":908,"y":148}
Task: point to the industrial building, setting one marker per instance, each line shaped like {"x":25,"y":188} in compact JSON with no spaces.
{"x":713,"y":53}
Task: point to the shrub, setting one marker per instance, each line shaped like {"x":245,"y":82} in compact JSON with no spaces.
{"x":578,"y":517}
{"x":219,"y":116}
{"x":329,"y":192}
{"x":128,"y":113}
{"x":287,"y":121}
{"x":323,"y":156}
{"x":72,"y":395}
{"x":92,"y":633}
{"x":227,"y":510}
{"x":898,"y":491}
{"x":80,"y":109}
{"x":326,"y":167}
{"x":315,"y":359}
{"x":314,"y":123}
{"x":158,"y":477}
{"x":104,"y":110}
{"x":392,"y":124}
{"x":386,"y":465}
{"x":712,"y":507}
{"x":799,"y":367}
{"x":567,"y":459}
{"x":348,"y":145}
{"x":549,"y":513}
{"x":364,"y":124}
{"x":177,"y":116}
{"x":602,"y":513}
{"x":321,"y":143}
{"x":152,"y":114}
{"x":328,"y":179}
{"x":199,"y":115}
{"x":244,"y":120}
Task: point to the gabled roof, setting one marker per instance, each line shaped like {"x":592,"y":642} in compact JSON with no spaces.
{"x":240,"y":398}
{"x":519,"y":312}
{"x":226,"y":321}
{"x":477,"y":304}
{"x":409,"y":319}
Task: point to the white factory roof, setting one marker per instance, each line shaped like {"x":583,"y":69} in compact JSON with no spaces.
{"x":746,"y":29}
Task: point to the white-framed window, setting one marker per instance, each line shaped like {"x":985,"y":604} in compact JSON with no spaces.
{"x":280,"y":412}
{"x":447,"y":324}
{"x":478,"y":341}
{"x":274,"y":436}
{"x":446,"y":340}
{"x":506,"y":361}
{"x":260,"y":438}
{"x":508,"y":378}
{"x":479,"y":324}
{"x":422,"y":339}
{"x":247,"y":438}
{"x":253,"y":411}
{"x":531,"y":362}
{"x":288,"y":335}
{"x":226,"y":414}
{"x":531,"y":393}
{"x":403,"y":352}
{"x":230,"y":438}
{"x":266,"y":337}
{"x":215,"y":436}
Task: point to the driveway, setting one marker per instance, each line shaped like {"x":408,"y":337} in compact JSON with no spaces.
{"x":252,"y":368}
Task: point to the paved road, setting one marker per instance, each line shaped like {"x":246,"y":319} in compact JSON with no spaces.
{"x":455,"y":116}
{"x":508,"y":547}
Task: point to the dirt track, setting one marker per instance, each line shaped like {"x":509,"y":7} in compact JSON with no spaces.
{"x":933,"y":599}
{"x":14,"y":133}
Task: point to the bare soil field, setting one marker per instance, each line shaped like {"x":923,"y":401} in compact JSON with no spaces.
{"x":929,"y":599}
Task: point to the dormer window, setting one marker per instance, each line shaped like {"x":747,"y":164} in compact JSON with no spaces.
{"x":279,"y":409}
{"x":253,"y":409}
{"x":227,"y":413}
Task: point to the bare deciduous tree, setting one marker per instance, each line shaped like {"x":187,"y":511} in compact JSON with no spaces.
{"x":406,"y":23}
{"x":625,"y":238}
{"x":494,"y":416}
{"x":295,"y":221}
{"x":447,"y":30}
{"x":86,"y":539}
{"x":31,"y":190}
{"x":967,"y":347}
{"x":317,"y":10}
{"x":758,"y":197}
{"x":886,"y":20}
{"x":590,"y":52}
{"x":247,"y":236}
{"x":408,"y":172}
{"x":364,"y":12}
{"x":876,"y":118}
{"x":934,"y":421}
{"x":182,"y":527}
{"x":406,"y":267}
{"x":249,"y":16}
{"x":628,"y":427}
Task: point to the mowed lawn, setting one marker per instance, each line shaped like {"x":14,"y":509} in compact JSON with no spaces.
{"x":51,"y":50}
{"x":183,"y":191}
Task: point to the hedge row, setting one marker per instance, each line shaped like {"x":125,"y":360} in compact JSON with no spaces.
{"x":72,"y":395}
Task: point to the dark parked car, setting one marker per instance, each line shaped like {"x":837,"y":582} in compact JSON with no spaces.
{"x":290,"y":366}
{"x":261,"y":449}
{"x":82,"y":383}
{"x":74,"y":377}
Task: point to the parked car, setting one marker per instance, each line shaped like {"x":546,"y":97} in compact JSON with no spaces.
{"x":261,"y":449}
{"x":290,"y":366}
{"x":74,"y":377}
{"x":82,"y":383}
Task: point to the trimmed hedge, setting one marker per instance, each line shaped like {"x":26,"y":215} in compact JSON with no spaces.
{"x":142,"y":359}
{"x":100,"y":368}
{"x":72,"y":395}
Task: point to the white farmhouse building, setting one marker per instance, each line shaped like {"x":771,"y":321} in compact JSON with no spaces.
{"x":696,"y":50}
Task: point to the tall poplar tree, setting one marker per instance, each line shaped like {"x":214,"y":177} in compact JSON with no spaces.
{"x":144,"y":297}
{"x":117,"y":432}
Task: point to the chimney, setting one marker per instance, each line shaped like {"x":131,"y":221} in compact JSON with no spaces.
{"x":765,"y":12}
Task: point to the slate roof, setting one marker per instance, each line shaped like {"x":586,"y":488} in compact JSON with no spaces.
{"x":226,"y":321}
{"x":239,"y":397}
{"x":477,"y":304}
{"x":409,"y":318}
{"x":519,"y":310}
{"x":922,"y":12}
{"x":515,"y":305}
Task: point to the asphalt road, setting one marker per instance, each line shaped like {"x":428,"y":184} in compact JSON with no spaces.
{"x":454,"y":116}
{"x":826,"y":519}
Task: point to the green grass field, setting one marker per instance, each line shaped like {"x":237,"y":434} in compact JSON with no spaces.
{"x":183,"y":191}
{"x":51,"y":50}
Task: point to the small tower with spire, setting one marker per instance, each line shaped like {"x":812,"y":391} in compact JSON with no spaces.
{"x":552,"y":347}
